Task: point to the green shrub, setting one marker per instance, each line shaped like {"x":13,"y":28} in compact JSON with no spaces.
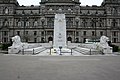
{"x":115,"y":48}
{"x":119,"y":49}
{"x":5,"y":46}
{"x":0,"y":46}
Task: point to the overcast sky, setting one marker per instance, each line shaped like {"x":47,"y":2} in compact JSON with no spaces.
{"x":83,"y":2}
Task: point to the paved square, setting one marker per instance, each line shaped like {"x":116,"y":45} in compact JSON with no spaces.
{"x":59,"y":67}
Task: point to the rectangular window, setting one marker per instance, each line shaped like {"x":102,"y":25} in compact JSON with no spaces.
{"x":18,"y":32}
{"x":26,"y":40}
{"x":115,"y":40}
{"x":5,"y":40}
{"x":5,"y":33}
{"x":35,"y":39}
{"x":77,"y":33}
{"x":26,"y":32}
{"x":93,"y":33}
{"x":84,"y":33}
{"x":42,"y":33}
{"x":50,"y":32}
{"x":114,"y":33}
{"x":35,"y":33}
{"x":101,"y":33}
{"x":1,"y":23}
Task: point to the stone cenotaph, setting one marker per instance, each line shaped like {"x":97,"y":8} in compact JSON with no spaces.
{"x":59,"y":31}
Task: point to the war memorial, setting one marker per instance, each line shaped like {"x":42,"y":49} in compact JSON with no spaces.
{"x":57,"y":26}
{"x":60,"y":40}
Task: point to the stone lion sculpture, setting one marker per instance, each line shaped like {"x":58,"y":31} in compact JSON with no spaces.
{"x":16,"y":41}
{"x":104,"y":41}
{"x":16,"y":45}
{"x":103,"y":46}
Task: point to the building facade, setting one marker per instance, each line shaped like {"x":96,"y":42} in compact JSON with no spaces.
{"x":36,"y":23}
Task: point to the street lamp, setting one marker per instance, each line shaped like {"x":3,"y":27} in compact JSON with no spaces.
{"x":77,"y":19}
{"x":14,"y":23}
{"x":42,"y":21}
{"x":51,"y":50}
{"x":94,"y":22}
{"x":95,"y":30}
{"x":24,"y":21}
{"x":105,"y":13}
{"x":96,"y":14}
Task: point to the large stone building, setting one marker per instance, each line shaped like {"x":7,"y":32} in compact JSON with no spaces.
{"x":36,"y":23}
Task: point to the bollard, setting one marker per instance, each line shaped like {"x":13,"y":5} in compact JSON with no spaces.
{"x":90,"y":52}
{"x":50,"y":51}
{"x":71,"y":51}
{"x":33,"y":52}
{"x":23,"y":51}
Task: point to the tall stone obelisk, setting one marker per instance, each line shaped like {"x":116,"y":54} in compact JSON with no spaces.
{"x":59,"y":31}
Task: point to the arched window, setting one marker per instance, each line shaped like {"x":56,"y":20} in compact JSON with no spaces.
{"x":84,"y":23}
{"x":69,"y":22}
{"x":50,"y":22}
{"x":5,"y":23}
{"x":92,"y":23}
{"x":35,"y":23}
{"x":19,"y":24}
{"x":1,"y":22}
{"x":6,"y":10}
{"x":114,"y":10}
{"x":100,"y":22}
{"x":114,"y":23}
{"x":27,"y":24}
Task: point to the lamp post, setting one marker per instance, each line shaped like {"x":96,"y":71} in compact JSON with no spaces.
{"x":94,"y":21}
{"x":95,"y":26}
{"x":95,"y":30}
{"x":106,"y":27}
{"x":71,"y":51}
{"x":14,"y":26}
{"x":105,"y":13}
{"x":51,"y":50}
{"x":24,"y":21}
{"x":42,"y":21}
{"x":77,"y":19}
